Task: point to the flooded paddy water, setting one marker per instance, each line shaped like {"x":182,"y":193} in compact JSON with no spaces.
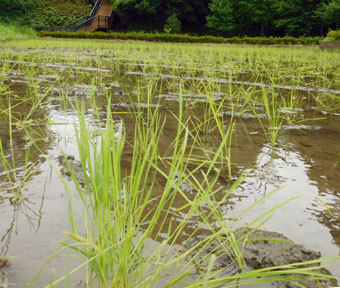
{"x":268,"y":116}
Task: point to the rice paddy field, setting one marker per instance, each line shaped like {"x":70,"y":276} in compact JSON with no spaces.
{"x":131,"y":164}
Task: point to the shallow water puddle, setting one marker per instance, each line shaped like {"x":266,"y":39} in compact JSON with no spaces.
{"x":305,"y":160}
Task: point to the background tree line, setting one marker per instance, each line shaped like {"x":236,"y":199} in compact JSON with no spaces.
{"x":232,"y":17}
{"x":218,"y":17}
{"x":43,"y":13}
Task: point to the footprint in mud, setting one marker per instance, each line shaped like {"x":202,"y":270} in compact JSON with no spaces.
{"x":75,"y":166}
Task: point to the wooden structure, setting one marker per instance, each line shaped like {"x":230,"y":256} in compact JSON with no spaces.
{"x":100,"y":18}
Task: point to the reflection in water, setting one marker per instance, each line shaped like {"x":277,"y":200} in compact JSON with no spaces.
{"x":30,"y":211}
{"x":31,"y":216}
{"x":3,"y":279}
{"x":332,"y":221}
{"x":321,"y":152}
{"x":291,"y":169}
{"x":26,"y":211}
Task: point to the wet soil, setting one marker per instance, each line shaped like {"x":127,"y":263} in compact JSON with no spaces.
{"x":3,"y":263}
{"x":268,"y":249}
{"x":275,"y":250}
{"x":71,"y":167}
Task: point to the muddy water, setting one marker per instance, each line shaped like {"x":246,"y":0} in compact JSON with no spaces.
{"x":306,"y":159}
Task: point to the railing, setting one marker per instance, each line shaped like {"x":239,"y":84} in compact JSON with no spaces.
{"x":97,"y":22}
{"x":50,"y":29}
{"x":95,"y":8}
{"x":81,"y":22}
{"x":74,"y":24}
{"x":84,"y":25}
{"x":92,"y":21}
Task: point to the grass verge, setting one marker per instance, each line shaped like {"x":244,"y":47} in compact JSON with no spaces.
{"x":12,"y":32}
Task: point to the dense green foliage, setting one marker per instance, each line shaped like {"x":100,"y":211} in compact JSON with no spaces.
{"x":218,"y":17}
{"x":10,"y":32}
{"x":42,"y":13}
{"x":16,"y":11}
{"x":173,"y":25}
{"x":183,"y":38}
{"x":273,"y":17}
{"x":153,"y":14}
{"x":234,"y":17}
{"x":330,"y":12}
{"x":54,"y":13}
{"x":333,"y":35}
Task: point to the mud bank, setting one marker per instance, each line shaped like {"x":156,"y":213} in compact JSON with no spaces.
{"x":268,"y":249}
{"x":76,"y":168}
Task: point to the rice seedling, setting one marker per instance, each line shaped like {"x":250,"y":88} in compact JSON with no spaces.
{"x":274,"y":118}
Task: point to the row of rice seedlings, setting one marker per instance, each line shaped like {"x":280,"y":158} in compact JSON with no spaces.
{"x":122,"y":211}
{"x":273,"y":127}
{"x":263,"y":64}
{"x":21,"y":117}
{"x":327,"y":102}
{"x":274,"y":118}
{"x":255,"y":60}
{"x":323,"y":81}
{"x":15,"y":178}
{"x":278,"y":110}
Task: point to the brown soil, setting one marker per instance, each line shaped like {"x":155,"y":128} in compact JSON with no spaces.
{"x":76,"y":167}
{"x":278,"y":250}
{"x":3,"y":263}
